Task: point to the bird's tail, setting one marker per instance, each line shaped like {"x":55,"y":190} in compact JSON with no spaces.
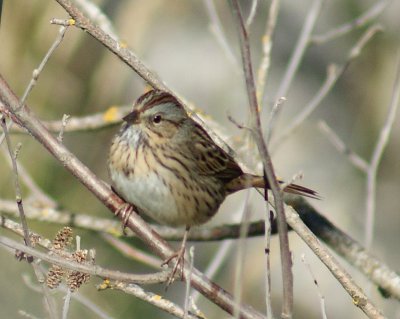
{"x":248,"y":181}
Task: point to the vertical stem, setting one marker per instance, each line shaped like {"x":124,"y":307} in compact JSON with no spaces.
{"x":287,"y":276}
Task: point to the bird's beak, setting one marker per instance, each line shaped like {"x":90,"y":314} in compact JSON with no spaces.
{"x":132,"y":118}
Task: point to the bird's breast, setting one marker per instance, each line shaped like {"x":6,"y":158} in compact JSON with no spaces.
{"x":165,"y":187}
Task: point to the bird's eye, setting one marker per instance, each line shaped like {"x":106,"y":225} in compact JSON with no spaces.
{"x":157,"y":119}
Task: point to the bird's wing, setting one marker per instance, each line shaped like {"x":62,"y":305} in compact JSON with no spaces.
{"x":211,"y":159}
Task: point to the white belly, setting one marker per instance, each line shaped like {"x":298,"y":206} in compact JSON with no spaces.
{"x":149,"y":194}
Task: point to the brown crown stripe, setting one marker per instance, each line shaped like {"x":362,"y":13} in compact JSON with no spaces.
{"x":155,"y":97}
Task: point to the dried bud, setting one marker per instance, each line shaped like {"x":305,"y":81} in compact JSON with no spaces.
{"x":63,"y":238}
{"x":80,"y":256}
{"x":54,"y":276}
{"x":76,"y":279}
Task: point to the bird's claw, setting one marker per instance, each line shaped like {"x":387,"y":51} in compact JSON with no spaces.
{"x":179,"y":263}
{"x":124,"y":211}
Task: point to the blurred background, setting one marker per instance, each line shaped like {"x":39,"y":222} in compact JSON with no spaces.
{"x":174,"y":39}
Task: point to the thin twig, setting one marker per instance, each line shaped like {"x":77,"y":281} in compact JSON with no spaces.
{"x":103,"y":192}
{"x":187,"y":290}
{"x":334,"y":72}
{"x":321,"y":296}
{"x":67,"y":302}
{"x":218,"y":32}
{"x":296,"y":58}
{"x":252,"y":13}
{"x":49,"y":302}
{"x":241,"y":255}
{"x":356,"y":293}
{"x":84,"y":21}
{"x":64,"y":123}
{"x":263,"y":69}
{"x":374,"y":269}
{"x":161,"y":303}
{"x":17,"y":187}
{"x":376,"y":158}
{"x":36,"y":72}
{"x":76,"y":296}
{"x":23,"y":313}
{"x":338,"y":143}
{"x":267,"y":250}
{"x":287,"y":275}
{"x":97,"y":16}
{"x":216,"y":263}
{"x":360,"y":21}
{"x":330,"y":80}
{"x":127,"y":56}
{"x":93,"y":122}
{"x":221,"y":255}
{"x":95,"y":270}
{"x":38,"y":194}
{"x":132,"y":252}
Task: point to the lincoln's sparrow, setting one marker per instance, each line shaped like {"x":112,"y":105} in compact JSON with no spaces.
{"x":167,"y":165}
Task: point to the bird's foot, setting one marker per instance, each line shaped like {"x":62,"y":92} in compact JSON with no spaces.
{"x":179,"y":262}
{"x":124,"y":212}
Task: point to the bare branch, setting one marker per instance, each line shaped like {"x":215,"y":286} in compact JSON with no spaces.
{"x":36,"y":73}
{"x":321,"y":296}
{"x":252,"y":13}
{"x":296,"y":57}
{"x":64,"y":123}
{"x":187,"y":286}
{"x":353,"y":157}
{"x":287,"y":275}
{"x":18,"y":193}
{"x":67,"y":302}
{"x":360,"y":21}
{"x":356,"y":293}
{"x":267,"y":48}
{"x":76,"y":296}
{"x":35,"y":190}
{"x":377,"y":155}
{"x":103,"y":192}
{"x":241,"y":255}
{"x":216,"y":263}
{"x":333,"y":74}
{"x":151,"y":298}
{"x":145,"y":279}
{"x":96,"y":121}
{"x":374,"y":269}
{"x":97,"y":16}
{"x":127,"y":56}
{"x":267,"y":239}
{"x":132,"y":252}
{"x":218,"y":32}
